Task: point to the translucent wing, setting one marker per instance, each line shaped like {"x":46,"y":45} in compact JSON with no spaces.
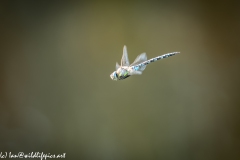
{"x":117,"y":66}
{"x":125,"y":61}
{"x":140,"y":58}
{"x":135,"y":73}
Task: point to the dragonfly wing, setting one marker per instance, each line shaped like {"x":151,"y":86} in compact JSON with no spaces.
{"x":125,"y":61}
{"x":142,"y":68}
{"x":140,"y":58}
{"x":135,"y":73}
{"x":117,"y":66}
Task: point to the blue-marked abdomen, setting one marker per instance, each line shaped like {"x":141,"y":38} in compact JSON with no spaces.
{"x":136,"y":68}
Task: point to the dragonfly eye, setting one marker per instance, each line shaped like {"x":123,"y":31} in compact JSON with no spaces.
{"x":115,"y":74}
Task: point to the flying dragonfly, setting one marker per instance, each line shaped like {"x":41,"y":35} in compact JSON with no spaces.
{"x":137,"y":67}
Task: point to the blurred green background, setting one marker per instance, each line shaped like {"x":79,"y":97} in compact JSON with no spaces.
{"x":56,"y":95}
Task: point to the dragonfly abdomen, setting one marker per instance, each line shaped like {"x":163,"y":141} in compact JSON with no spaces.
{"x":154,"y":59}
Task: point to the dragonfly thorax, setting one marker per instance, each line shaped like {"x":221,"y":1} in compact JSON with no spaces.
{"x":122,"y":73}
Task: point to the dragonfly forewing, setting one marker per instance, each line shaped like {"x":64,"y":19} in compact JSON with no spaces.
{"x":125,"y":61}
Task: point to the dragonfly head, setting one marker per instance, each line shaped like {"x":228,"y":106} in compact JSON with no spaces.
{"x":114,"y":76}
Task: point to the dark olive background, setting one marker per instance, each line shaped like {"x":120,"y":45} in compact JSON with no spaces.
{"x":56,"y":95}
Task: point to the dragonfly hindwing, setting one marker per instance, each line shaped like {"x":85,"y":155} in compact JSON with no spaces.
{"x":140,"y":58}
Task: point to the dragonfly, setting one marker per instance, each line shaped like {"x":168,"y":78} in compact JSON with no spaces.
{"x":126,"y":70}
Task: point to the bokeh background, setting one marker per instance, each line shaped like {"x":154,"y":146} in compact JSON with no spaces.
{"x":56,"y":95}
